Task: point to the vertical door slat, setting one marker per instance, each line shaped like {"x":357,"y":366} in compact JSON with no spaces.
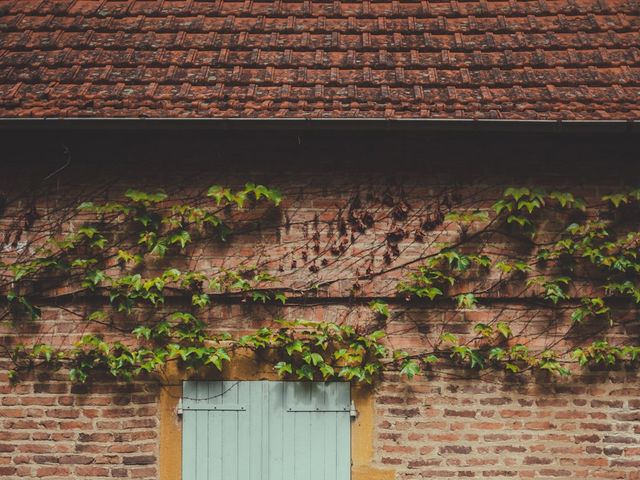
{"x":189,"y":440}
{"x":276,"y":427}
{"x":288,"y":432}
{"x":245,"y":446}
{"x":229,"y":432}
{"x":202,"y":432}
{"x":343,"y":436}
{"x":214,"y":424}
{"x":318,"y":431}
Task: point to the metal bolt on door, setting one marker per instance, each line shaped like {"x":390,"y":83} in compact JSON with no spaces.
{"x":263,"y":430}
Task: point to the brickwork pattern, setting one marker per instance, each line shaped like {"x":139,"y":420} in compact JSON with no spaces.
{"x":455,"y":427}
{"x":51,"y":429}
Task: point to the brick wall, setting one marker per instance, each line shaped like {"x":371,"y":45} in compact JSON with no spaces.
{"x":51,"y":429}
{"x":448,"y":424}
{"x":455,"y":427}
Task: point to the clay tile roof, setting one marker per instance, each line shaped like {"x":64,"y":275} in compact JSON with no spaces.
{"x":503,"y":59}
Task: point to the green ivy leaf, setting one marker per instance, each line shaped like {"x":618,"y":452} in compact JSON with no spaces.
{"x":200,"y":300}
{"x":380,"y":308}
{"x":497,"y":354}
{"x":283,"y":368}
{"x":295,"y":346}
{"x":313,"y":358}
{"x":504,"y":329}
{"x":305,"y":372}
{"x":94,"y":278}
{"x":327,"y":370}
{"x":516,"y":193}
{"x":430,"y":359}
{"x":616,"y":199}
{"x":483,"y":329}
{"x":467,"y":301}
{"x":183,"y":238}
{"x":142,"y":332}
{"x":145,"y":198}
{"x":410,"y":368}
{"x":449,"y":338}
{"x":512,"y":367}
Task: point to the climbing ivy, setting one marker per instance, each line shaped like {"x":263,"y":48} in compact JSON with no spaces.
{"x":132,"y":258}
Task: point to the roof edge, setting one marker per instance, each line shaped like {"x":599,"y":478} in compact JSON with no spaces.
{"x":364,"y":124}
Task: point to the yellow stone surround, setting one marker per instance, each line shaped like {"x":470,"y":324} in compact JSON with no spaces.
{"x":247,"y":368}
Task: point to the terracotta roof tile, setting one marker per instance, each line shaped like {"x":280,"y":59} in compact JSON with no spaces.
{"x":530,"y":59}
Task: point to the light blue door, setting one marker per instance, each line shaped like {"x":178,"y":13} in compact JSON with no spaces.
{"x":266,"y":431}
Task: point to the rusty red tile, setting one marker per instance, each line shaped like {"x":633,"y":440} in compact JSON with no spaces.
{"x":475,"y":59}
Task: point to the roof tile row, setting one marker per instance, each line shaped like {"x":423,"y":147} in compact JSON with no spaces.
{"x":327,"y":76}
{"x":358,"y":8}
{"x":471,"y":24}
{"x":416,"y":59}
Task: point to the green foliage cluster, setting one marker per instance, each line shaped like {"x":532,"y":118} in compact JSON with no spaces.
{"x":301,"y":349}
{"x":607,"y":249}
{"x":111,"y":255}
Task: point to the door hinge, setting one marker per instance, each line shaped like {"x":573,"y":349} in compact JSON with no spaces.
{"x":213,"y":408}
{"x":353,"y":413}
{"x":318,"y":410}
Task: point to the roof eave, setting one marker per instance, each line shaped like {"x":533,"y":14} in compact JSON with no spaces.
{"x":367,"y":124}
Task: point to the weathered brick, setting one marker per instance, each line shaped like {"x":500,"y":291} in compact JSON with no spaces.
{"x":537,"y":460}
{"x":460,"y":449}
{"x":53,"y":471}
{"x":79,"y":459}
{"x":139,"y":460}
{"x":459,"y":413}
{"x":92,"y":471}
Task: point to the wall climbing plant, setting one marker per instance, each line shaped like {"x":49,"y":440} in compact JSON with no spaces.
{"x":132,"y":261}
